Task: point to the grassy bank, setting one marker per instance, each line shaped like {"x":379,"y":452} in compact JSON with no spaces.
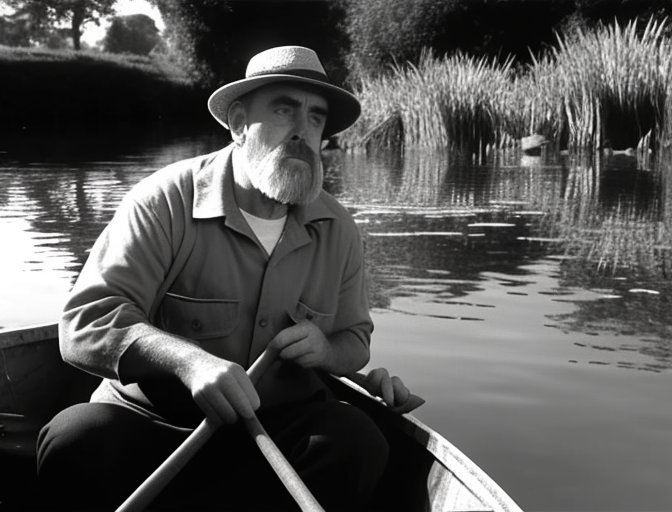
{"x":602,"y":88}
{"x":61,"y":88}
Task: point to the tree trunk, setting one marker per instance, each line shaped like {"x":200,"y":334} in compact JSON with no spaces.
{"x":76,"y":27}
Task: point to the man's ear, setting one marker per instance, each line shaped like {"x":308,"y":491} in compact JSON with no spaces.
{"x":237,"y":118}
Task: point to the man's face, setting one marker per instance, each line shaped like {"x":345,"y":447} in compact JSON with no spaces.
{"x":282,"y":144}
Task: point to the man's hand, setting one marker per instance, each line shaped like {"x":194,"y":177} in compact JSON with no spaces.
{"x":303,"y":344}
{"x":221,"y":389}
{"x":391,"y":389}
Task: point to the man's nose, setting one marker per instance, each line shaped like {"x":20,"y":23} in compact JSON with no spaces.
{"x":299,"y":128}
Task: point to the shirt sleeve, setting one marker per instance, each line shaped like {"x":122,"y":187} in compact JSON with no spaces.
{"x":353,"y":305}
{"x":108,"y":307}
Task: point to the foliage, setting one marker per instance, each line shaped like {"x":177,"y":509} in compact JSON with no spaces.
{"x":190,"y":31}
{"x":385,"y":31}
{"x":215,"y":39}
{"x":594,"y":12}
{"x":607,"y":87}
{"x":136,"y":34}
{"x":23,"y":25}
{"x":382,"y":32}
{"x":14,"y":31}
{"x":44,"y":15}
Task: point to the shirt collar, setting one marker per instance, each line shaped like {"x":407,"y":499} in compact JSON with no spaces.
{"x":214,"y":192}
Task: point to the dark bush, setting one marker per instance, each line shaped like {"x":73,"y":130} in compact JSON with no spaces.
{"x":217,"y":38}
{"x":136,"y":34}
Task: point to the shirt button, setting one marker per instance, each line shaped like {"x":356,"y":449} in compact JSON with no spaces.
{"x":196,"y":324}
{"x":309,"y":316}
{"x":263,"y":322}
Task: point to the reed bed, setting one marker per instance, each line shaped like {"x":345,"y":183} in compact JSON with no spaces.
{"x":613,"y":82}
{"x":447,"y":102}
{"x":609,"y":87}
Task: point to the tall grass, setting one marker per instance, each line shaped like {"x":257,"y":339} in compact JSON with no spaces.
{"x":613,"y":82}
{"x":447,"y":102}
{"x":609,"y":87}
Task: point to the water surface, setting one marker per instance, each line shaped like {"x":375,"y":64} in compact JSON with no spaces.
{"x":551,"y":376}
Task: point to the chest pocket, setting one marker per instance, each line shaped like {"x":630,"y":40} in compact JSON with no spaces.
{"x":302,"y":313}
{"x":198,"y":319}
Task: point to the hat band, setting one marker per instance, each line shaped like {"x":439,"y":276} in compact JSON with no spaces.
{"x":299,"y":73}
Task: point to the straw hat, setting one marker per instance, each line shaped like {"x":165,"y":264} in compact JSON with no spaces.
{"x":288,"y":64}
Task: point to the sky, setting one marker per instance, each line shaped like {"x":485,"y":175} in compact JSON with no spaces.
{"x":92,"y":33}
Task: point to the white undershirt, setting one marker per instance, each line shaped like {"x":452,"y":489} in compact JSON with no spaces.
{"x":267,"y":231}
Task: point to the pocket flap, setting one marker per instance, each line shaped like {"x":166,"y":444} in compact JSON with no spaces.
{"x":303,"y":313}
{"x":199,"y":319}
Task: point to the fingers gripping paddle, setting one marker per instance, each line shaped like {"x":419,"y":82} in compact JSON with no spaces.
{"x":151,"y":487}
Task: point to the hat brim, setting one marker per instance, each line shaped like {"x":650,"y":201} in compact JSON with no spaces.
{"x":344,"y":107}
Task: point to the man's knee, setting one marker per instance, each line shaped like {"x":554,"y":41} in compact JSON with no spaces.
{"x":77,"y":434}
{"x":356,"y":436}
{"x":98,"y":453}
{"x":343,"y":457}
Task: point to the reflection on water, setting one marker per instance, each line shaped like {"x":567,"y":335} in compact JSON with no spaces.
{"x":57,"y":193}
{"x":433,"y":227}
{"x":517,"y":297}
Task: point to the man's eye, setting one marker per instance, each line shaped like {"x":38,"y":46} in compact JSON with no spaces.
{"x":318,"y":120}
{"x":283,"y":111}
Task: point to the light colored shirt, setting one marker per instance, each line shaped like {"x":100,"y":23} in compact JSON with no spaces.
{"x":268,"y":231}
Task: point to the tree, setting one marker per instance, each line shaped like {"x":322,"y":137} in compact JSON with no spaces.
{"x":135,"y":34}
{"x":15,"y":30}
{"x":192,"y":36}
{"x":46,"y":14}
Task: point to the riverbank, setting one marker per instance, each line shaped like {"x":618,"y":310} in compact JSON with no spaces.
{"x":50,"y":88}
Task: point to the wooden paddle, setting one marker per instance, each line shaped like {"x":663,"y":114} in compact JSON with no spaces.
{"x":151,"y":487}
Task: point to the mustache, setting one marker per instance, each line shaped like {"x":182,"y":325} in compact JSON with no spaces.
{"x":297,"y":149}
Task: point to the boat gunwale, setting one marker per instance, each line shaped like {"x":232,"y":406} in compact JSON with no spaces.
{"x":448,"y":455}
{"x":13,"y":337}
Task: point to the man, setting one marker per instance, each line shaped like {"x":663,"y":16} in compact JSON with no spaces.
{"x":206,"y":264}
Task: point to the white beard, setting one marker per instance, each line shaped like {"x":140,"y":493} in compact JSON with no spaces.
{"x":285,"y":176}
{"x":290,"y":182}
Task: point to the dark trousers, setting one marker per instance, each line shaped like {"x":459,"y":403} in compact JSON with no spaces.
{"x":93,"y":456}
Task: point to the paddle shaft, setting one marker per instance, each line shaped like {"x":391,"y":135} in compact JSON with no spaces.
{"x":157,"y":481}
{"x":282,"y":467}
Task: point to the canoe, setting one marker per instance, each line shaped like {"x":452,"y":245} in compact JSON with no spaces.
{"x":426,"y":472}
